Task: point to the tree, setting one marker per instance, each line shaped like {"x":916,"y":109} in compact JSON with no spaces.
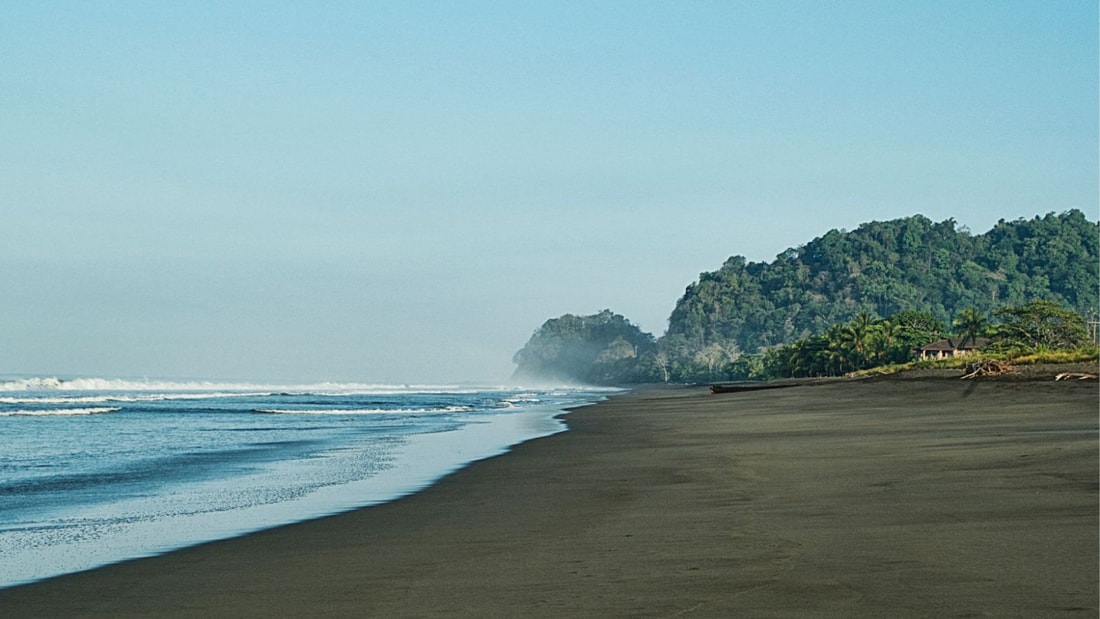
{"x":914,"y":329}
{"x":1040,"y":325}
{"x":919,"y":273}
{"x":845,"y":349}
{"x":885,"y":268}
{"x":660,"y":360}
{"x":603,"y":348}
{"x":747,"y":367}
{"x":970,"y":323}
{"x":883,"y":343}
{"x":712,"y":357}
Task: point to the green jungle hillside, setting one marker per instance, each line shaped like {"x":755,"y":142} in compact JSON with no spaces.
{"x":601,"y":349}
{"x":880,"y":269}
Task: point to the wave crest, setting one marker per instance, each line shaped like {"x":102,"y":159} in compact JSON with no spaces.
{"x":364,"y":411}
{"x":60,"y":411}
{"x":323,"y":388}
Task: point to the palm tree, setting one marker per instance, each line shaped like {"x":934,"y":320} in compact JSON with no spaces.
{"x":844,"y":348}
{"x":883,"y":341}
{"x":860,"y":331}
{"x":970,"y":323}
{"x":863,"y":322}
{"x":850,"y":342}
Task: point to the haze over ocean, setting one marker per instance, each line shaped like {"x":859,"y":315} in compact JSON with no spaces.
{"x":403,"y":191}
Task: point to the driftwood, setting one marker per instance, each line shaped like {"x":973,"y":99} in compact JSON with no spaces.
{"x":1076,"y":376}
{"x":989,"y":367}
{"x":748,"y":387}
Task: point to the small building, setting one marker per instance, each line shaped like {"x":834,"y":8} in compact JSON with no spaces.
{"x":952,"y":347}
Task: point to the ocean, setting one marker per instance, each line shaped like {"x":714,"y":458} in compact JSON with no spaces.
{"x":95,"y":471}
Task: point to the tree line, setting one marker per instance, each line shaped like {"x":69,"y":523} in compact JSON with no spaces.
{"x":867,"y":342}
{"x":817,"y":309}
{"x":896,"y":269}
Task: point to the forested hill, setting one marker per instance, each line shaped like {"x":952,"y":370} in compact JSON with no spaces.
{"x":884,"y":268}
{"x":601,"y":349}
{"x":931,"y":271}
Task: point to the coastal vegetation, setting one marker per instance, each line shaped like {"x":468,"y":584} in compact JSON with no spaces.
{"x":1039,"y":331}
{"x":600,"y":349}
{"x":849,"y":301}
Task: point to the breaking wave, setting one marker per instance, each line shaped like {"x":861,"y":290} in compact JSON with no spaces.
{"x":323,"y":388}
{"x":366,"y":411}
{"x":118,"y":397}
{"x":60,"y":411}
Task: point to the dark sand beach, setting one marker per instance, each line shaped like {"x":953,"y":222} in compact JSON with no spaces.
{"x":889,"y":497}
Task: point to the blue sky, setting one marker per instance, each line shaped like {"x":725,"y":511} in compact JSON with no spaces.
{"x":403,"y":191}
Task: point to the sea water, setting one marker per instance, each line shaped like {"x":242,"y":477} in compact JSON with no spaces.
{"x":95,"y":471}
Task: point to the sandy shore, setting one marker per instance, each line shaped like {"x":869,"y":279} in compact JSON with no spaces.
{"x":874,"y":498}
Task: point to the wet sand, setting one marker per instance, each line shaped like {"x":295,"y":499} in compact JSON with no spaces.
{"x":874,"y":498}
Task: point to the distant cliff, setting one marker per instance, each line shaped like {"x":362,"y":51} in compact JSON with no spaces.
{"x":600,"y":349}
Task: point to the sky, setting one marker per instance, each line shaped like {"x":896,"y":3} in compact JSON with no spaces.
{"x":404,"y":191}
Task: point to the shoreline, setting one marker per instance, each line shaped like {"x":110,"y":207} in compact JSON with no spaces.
{"x":92,"y":535}
{"x":877,"y":497}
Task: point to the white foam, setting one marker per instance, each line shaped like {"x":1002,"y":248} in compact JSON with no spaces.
{"x":365,"y":411}
{"x":147,"y":397}
{"x":525,"y":398}
{"x":91,"y":399}
{"x":323,"y":388}
{"x":60,"y":411}
{"x":94,"y":535}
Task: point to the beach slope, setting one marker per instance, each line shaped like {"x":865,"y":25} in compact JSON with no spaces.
{"x":872,"y":498}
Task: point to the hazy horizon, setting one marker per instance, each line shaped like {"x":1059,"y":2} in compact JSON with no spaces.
{"x":402,"y":192}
